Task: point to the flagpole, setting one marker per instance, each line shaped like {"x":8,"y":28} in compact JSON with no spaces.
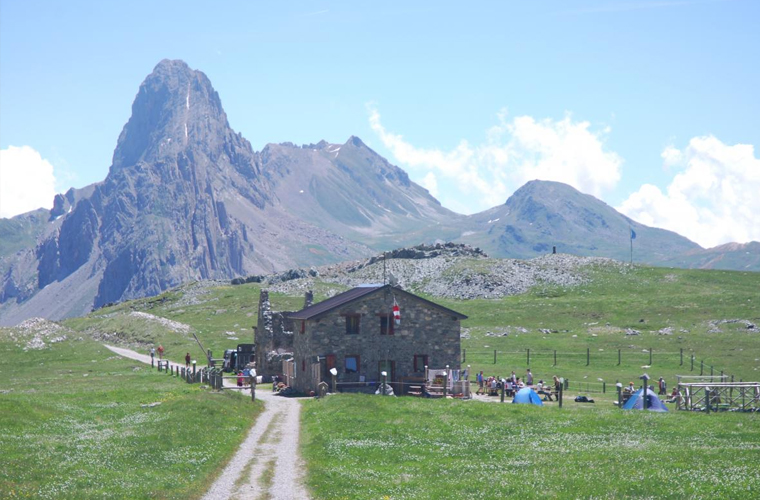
{"x":631,"y":235}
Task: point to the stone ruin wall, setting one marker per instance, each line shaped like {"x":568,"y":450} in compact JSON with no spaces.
{"x":274,"y":335}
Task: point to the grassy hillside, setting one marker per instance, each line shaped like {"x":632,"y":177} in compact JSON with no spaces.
{"x":673,"y":309}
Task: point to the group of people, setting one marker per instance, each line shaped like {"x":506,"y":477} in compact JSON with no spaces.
{"x":493,"y":384}
{"x":161,"y":355}
{"x":160,"y":352}
{"x":662,"y":390}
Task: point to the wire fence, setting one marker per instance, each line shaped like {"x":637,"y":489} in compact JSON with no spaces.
{"x":646,"y":357}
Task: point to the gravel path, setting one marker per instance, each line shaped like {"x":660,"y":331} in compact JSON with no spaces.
{"x":267,"y":465}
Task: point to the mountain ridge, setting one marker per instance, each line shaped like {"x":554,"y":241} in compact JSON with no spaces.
{"x":187,"y":198}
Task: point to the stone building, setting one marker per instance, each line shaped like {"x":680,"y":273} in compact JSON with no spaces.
{"x":355,"y":333}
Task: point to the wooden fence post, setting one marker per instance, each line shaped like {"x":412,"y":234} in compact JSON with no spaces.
{"x":528,"y":356}
{"x":588,"y":356}
{"x":494,"y":356}
{"x":681,"y":357}
{"x":555,"y":357}
{"x":618,"y":357}
{"x":650,"y":356}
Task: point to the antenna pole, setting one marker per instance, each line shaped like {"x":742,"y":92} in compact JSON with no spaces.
{"x":384,"y":255}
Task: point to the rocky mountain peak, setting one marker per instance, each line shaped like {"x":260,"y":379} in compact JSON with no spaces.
{"x":355,"y":141}
{"x":175,"y":107}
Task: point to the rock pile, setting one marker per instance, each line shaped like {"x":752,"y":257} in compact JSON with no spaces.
{"x":716,"y":324}
{"x":458,"y":274}
{"x":174,"y":326}
{"x":37,"y":333}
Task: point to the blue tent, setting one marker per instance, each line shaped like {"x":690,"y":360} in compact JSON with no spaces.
{"x":526,"y":395}
{"x":636,"y":401}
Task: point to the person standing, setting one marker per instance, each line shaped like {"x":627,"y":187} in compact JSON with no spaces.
{"x":160,"y":351}
{"x":152,"y":355}
{"x":529,"y":378}
{"x":187,"y":360}
{"x":662,"y":387}
{"x":480,"y":383}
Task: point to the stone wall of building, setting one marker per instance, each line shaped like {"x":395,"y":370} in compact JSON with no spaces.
{"x":424,"y":330}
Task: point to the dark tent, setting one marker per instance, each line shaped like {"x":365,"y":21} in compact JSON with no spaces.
{"x":526,"y":395}
{"x":636,"y":401}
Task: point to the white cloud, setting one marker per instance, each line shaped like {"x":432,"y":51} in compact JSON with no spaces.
{"x":27,"y":181}
{"x":512,"y":153}
{"x":712,"y":200}
{"x":430,"y":183}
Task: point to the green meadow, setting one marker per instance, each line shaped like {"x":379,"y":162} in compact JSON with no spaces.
{"x":360,"y":446}
{"x":73,"y":420}
{"x":78,"y":421}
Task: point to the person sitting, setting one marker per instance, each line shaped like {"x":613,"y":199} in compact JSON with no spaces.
{"x":494,"y":390}
{"x":543,"y":392}
{"x":674,"y":396}
{"x":510,"y":388}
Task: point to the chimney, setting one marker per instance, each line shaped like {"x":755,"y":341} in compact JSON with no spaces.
{"x":308,"y":299}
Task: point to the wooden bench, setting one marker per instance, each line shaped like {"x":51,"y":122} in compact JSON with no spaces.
{"x":415,"y":390}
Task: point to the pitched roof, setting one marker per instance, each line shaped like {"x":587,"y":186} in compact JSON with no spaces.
{"x":354,"y":294}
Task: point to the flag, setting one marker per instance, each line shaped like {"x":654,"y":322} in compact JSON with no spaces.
{"x":633,"y":234}
{"x":396,"y":312}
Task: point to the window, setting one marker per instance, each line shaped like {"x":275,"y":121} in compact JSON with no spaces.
{"x":352,"y":364}
{"x":352,"y":324}
{"x":420,"y":362}
{"x":386,"y":325}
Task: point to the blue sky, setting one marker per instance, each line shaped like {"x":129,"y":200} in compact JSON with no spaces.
{"x":651,"y":106}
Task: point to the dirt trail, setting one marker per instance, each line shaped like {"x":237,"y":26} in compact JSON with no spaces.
{"x":267,"y":465}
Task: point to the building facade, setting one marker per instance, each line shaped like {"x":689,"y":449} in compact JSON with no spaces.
{"x":355,"y":333}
